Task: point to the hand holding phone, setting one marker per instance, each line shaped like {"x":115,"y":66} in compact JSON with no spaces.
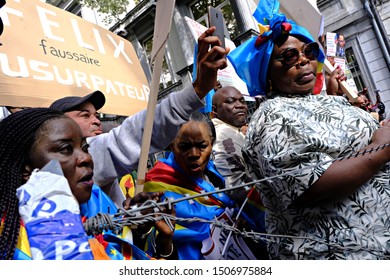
{"x":216,"y":19}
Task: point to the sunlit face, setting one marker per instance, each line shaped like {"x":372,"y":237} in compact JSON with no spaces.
{"x":229,"y":106}
{"x":192,"y":147}
{"x":87,"y":118}
{"x":62,"y":140}
{"x":297,"y":79}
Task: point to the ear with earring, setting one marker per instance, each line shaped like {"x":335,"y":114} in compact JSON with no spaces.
{"x":212,"y":156}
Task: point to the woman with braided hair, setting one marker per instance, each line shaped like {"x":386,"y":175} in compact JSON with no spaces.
{"x":17,"y":134}
{"x":29,"y":140}
{"x":318,"y":206}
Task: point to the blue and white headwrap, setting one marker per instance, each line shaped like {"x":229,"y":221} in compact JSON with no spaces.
{"x":251,"y":59}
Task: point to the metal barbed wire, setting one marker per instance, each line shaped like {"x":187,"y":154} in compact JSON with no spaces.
{"x":134,"y":217}
{"x":255,"y":236}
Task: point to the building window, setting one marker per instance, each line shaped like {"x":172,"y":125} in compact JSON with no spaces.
{"x":323,"y":3}
{"x":199,"y":12}
{"x":354,"y":69}
{"x":71,"y":6}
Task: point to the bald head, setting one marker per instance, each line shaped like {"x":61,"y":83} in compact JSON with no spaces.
{"x":230,"y":107}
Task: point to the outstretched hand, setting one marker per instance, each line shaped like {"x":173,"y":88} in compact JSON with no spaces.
{"x":211,"y":57}
{"x":140,"y":198}
{"x":164,"y":241}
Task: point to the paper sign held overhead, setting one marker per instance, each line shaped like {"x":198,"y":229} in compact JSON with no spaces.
{"x":303,"y":12}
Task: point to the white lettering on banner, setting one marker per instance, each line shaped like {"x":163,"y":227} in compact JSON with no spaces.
{"x":79,"y":38}
{"x":84,"y":247}
{"x":46,"y":23}
{"x":99,"y":41}
{"x":69,"y":79}
{"x":42,"y":71}
{"x":35,"y":65}
{"x":63,"y":248}
{"x":4,"y":11}
{"x":57,"y":54}
{"x":66,"y":247}
{"x":51,"y":30}
{"x":23,"y":71}
{"x":37,"y":254}
{"x":81,"y":79}
{"x":119,"y":48}
{"x":97,"y":81}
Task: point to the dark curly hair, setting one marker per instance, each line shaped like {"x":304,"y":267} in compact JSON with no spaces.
{"x":18,"y":132}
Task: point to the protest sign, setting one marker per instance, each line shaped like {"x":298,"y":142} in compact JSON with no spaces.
{"x":47,"y":53}
{"x":304,"y":13}
{"x":331,"y":43}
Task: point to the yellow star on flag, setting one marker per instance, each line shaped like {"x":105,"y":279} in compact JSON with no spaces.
{"x":113,"y":252}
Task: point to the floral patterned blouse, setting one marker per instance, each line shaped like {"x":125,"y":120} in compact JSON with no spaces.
{"x":227,"y":152}
{"x":301,"y":135}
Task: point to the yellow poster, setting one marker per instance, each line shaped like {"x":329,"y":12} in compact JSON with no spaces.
{"x":47,"y":53}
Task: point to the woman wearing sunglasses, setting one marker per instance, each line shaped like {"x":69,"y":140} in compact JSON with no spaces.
{"x":320,"y":207}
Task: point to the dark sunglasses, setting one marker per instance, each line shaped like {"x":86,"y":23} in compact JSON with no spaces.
{"x":290,"y":57}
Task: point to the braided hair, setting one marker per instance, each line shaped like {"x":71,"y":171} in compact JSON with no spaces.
{"x":18,"y":132}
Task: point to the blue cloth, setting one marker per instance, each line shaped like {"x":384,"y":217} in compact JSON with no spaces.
{"x":167,"y":176}
{"x":188,"y":237}
{"x":99,"y":202}
{"x":61,"y":236}
{"x":20,"y":255}
{"x":250,"y":61}
{"x":116,"y":247}
{"x":43,"y":233}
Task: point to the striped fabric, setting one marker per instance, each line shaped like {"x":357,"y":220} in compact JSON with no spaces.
{"x":167,"y":176}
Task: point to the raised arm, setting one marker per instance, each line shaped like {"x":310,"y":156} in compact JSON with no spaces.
{"x":117,"y":152}
{"x":209,"y":61}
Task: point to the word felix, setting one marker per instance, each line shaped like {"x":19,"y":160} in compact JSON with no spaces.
{"x":55,"y":26}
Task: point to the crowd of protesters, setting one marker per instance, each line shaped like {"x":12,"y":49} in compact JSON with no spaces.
{"x":293,"y":174}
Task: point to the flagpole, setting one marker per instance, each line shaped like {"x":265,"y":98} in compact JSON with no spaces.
{"x":162,"y":25}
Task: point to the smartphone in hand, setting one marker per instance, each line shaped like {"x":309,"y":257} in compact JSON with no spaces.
{"x":216,"y":19}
